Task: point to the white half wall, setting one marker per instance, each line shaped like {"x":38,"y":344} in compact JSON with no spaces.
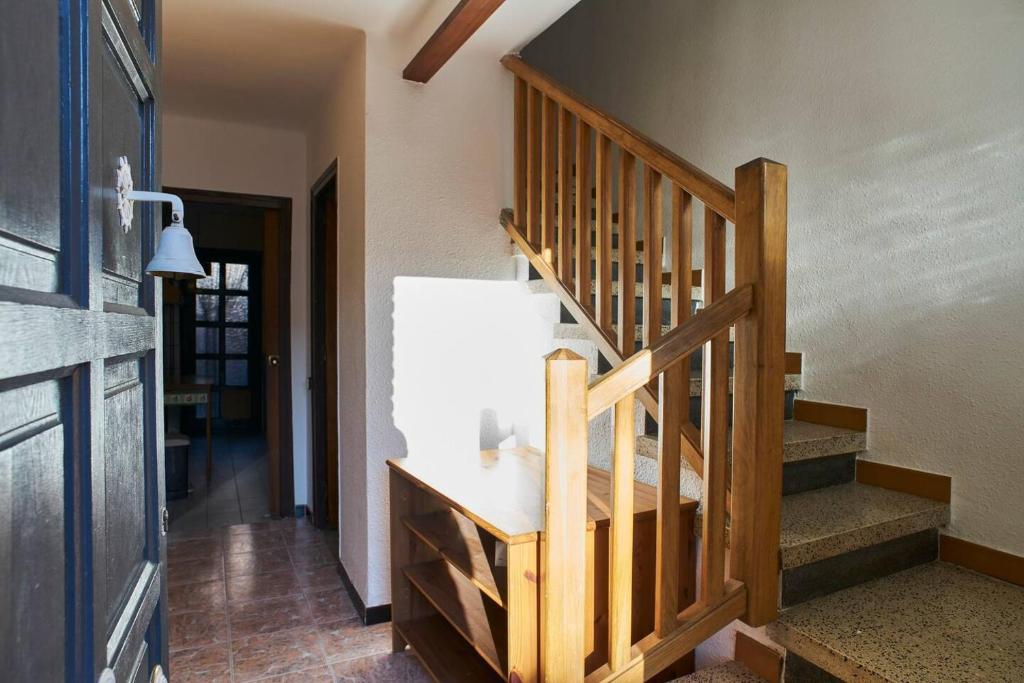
{"x":230,"y":157}
{"x":902,"y":125}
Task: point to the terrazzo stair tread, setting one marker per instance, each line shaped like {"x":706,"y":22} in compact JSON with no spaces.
{"x":728,"y":672}
{"x":839,"y":519}
{"x":800,"y":441}
{"x":934,"y":622}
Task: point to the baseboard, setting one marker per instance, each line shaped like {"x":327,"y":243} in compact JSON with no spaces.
{"x":758,"y":657}
{"x":376,"y":614}
{"x":982,"y":559}
{"x":915,"y":482}
{"x":831,"y":414}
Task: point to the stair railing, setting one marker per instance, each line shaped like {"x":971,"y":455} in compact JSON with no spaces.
{"x":563,"y":156}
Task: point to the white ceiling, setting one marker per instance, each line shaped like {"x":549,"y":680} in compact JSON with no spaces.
{"x":267,"y":61}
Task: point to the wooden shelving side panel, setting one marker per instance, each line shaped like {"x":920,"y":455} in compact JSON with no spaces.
{"x":482,"y":623}
{"x":457,"y":539}
{"x":444,"y":654}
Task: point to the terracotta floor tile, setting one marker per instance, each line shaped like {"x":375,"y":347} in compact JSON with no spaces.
{"x":277,"y":653}
{"x":331,"y":605}
{"x":202,"y":665}
{"x":197,"y":629}
{"x":302,"y":535}
{"x":319,"y":578}
{"x":309,"y":556}
{"x":320,"y":674}
{"x":268,"y":616}
{"x":259,"y":562}
{"x":350,"y":639}
{"x":252,"y":527}
{"x":194,"y":571}
{"x":196,"y":596}
{"x":251,"y":587}
{"x":394,"y":668}
{"x":197,"y":548}
{"x":250,"y":542}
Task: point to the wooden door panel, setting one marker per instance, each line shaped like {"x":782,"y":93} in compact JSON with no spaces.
{"x":30,"y":134}
{"x":32,"y":586}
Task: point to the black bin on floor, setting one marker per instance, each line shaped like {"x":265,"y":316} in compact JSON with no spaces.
{"x":176,"y":452}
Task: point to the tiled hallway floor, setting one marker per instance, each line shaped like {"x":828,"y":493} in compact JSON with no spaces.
{"x":237,"y":491}
{"x":265,"y":602}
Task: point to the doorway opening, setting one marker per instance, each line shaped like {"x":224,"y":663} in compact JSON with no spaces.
{"x":227,"y":365}
{"x":324,"y":346}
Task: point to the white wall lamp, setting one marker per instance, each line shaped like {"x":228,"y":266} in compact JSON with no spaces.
{"x":175,"y":257}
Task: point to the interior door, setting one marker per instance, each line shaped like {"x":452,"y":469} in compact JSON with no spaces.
{"x":82,"y":582}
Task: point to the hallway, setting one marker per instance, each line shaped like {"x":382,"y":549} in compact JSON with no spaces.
{"x":237,"y":491}
{"x":265,"y":602}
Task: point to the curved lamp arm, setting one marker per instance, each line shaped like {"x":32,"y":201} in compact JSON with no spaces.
{"x":177,"y":206}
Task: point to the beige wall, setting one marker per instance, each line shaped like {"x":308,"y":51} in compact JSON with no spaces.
{"x":230,"y":157}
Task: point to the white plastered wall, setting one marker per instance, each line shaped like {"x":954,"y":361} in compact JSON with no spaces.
{"x":225,"y":156}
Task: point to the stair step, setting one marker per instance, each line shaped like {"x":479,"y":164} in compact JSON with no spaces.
{"x":800,"y":441}
{"x":828,"y":522}
{"x":729,"y":672}
{"x":935,"y":622}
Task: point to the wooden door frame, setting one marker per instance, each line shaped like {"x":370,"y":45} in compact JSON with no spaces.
{"x":283,"y":474}
{"x":319,"y":395}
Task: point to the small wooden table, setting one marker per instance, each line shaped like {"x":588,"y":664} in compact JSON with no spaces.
{"x":198,"y":392}
{"x":465,"y":563}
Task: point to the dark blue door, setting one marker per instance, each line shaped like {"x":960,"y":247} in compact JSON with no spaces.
{"x":82,"y":571}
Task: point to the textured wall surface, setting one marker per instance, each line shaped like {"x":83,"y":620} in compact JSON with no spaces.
{"x":903,"y":128}
{"x":231,"y":157}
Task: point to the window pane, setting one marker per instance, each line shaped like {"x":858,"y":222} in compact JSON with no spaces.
{"x":236,"y":309}
{"x":206,"y":307}
{"x":207,"y":340}
{"x":236,"y":373}
{"x":236,"y":340}
{"x":212,"y":281}
{"x":207,"y":370}
{"x":237,"y":275}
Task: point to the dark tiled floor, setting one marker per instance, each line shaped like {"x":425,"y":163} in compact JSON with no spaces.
{"x":264,"y":602}
{"x":237,"y":491}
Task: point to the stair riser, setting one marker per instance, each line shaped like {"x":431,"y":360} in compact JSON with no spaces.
{"x":817,"y":473}
{"x":814,"y":580}
{"x":799,"y":670}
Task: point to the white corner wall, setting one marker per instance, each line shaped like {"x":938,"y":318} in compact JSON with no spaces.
{"x":903,"y":128}
{"x":230,"y":157}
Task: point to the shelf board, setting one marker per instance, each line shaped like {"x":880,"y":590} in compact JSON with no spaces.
{"x":457,"y":539}
{"x":444,"y":654}
{"x":483,"y":624}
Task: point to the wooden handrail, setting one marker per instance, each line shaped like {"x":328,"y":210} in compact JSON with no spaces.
{"x":646,"y":365}
{"x":701,"y":185}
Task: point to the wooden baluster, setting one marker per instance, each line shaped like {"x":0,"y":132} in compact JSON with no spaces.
{"x":758,"y":387}
{"x":583,"y":214}
{"x":520,"y":153}
{"x":603,"y":167}
{"x":672,"y":399}
{"x":620,"y":574}
{"x":627,"y":253}
{"x":532,"y":166}
{"x":682,"y":256}
{"x":653,"y":233}
{"x":548,"y":139}
{"x":565,"y":270}
{"x":714,"y":417}
{"x":565,"y":518}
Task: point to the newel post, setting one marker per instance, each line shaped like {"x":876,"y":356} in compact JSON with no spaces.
{"x":759,"y":386}
{"x":564,"y":556}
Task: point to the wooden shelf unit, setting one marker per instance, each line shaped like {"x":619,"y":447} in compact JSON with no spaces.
{"x":465,"y":568}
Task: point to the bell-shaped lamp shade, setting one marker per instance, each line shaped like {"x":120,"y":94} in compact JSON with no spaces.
{"x":175,"y":258}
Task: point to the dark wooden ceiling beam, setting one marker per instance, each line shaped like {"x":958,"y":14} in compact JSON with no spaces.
{"x":462,"y":23}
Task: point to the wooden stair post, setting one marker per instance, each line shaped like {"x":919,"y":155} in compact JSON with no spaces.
{"x":564,"y":554}
{"x":759,"y":380}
